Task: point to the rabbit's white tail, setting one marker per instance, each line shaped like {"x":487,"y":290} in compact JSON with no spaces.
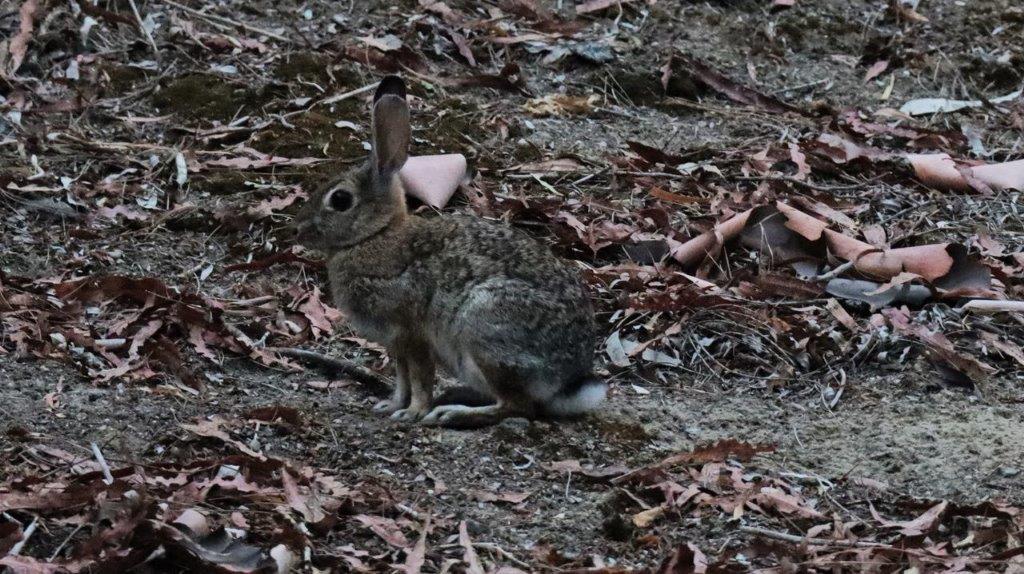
{"x":578,"y":398}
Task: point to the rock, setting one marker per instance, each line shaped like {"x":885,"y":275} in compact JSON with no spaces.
{"x":515,"y":423}
{"x":511,"y":429}
{"x":1008,"y":471}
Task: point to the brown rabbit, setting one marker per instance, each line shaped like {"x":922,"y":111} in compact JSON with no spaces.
{"x":491,"y":305}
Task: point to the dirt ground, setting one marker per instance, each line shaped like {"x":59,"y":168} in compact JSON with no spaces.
{"x":897,"y":431}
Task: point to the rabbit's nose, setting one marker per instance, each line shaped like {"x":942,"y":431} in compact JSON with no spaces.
{"x":303,"y":228}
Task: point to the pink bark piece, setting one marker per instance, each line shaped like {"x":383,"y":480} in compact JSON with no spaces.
{"x":696,"y":249}
{"x":928,"y":261}
{"x":808,"y":226}
{"x":433,"y":179}
{"x":939,"y":170}
{"x":1009,"y":175}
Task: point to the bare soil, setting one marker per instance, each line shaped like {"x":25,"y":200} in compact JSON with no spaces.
{"x":897,"y":422}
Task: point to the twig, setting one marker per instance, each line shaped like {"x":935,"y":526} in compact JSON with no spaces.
{"x":56,"y":552}
{"x":989,"y":306}
{"x":142,"y":26}
{"x":810,"y":541}
{"x":16,"y":549}
{"x":229,"y":21}
{"x":339,"y":97}
{"x":493,"y":548}
{"x":108,"y":478}
{"x":835,"y":272}
{"x":796,"y":181}
{"x":373,"y":382}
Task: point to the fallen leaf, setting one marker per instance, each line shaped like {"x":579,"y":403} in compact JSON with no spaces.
{"x":924,"y":106}
{"x":561,"y":104}
{"x":876,"y":70}
{"x":941,"y":171}
{"x":386,"y":528}
{"x":386,"y":43}
{"x":591,"y":6}
{"x":213,"y":428}
{"x":705,"y":75}
{"x":508,"y":497}
{"x":924,"y":524}
{"x":685,"y":559}
{"x":645,"y":518}
{"x":19,"y":42}
{"x":718,"y":452}
{"x":469,"y":556}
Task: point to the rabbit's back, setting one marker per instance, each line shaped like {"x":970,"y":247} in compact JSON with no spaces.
{"x":502,"y":299}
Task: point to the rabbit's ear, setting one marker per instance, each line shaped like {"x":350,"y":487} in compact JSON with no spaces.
{"x":391,"y":132}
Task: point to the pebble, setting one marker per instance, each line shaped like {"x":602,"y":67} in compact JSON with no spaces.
{"x":1009,"y":471}
{"x":515,"y":423}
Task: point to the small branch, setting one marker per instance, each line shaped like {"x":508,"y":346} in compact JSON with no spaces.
{"x":796,"y":181}
{"x":16,"y":549}
{"x":370,"y":380}
{"x":810,"y":541}
{"x":492,"y":548}
{"x":228,"y":21}
{"x":142,"y":26}
{"x":56,"y":552}
{"x":108,"y":478}
{"x":835,"y":272}
{"x":990,"y":306}
{"x":351,"y":93}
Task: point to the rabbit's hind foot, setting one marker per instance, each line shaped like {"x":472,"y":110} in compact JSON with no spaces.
{"x":466,"y":417}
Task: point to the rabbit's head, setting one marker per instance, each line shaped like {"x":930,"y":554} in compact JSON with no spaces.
{"x":361,"y":203}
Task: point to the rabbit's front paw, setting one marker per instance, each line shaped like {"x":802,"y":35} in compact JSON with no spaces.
{"x":387,"y":407}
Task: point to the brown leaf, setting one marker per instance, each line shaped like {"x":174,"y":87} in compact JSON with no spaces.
{"x":1003,"y":347}
{"x":321,"y":316}
{"x":258,"y":160}
{"x":469,"y":554}
{"x":704,"y":74}
{"x":718,"y":452}
{"x":645,"y":518}
{"x":591,"y":6}
{"x":686,"y":559}
{"x":386,"y":528}
{"x":276,"y":414}
{"x":574,"y":467}
{"x":785,"y":503}
{"x":129,"y":212}
{"x":940,"y":348}
{"x":19,"y":42}
{"x":417,"y":557}
{"x":561,"y":104}
{"x":28,"y":565}
{"x":509,"y":497}
{"x":311,"y":512}
{"x":876,"y":70}
{"x":924,"y":524}
{"x":463,"y":45}
{"x":212,"y":428}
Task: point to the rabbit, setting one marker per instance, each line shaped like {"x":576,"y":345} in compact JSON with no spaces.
{"x":491,"y":305}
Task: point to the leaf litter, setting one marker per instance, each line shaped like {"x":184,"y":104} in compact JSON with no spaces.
{"x":833,"y":241}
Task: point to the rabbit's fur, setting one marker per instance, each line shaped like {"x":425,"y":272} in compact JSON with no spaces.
{"x":488,"y":303}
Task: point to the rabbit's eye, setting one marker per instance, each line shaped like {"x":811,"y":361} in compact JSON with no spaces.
{"x":340,"y":200}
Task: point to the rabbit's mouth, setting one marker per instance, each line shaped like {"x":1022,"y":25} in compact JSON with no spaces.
{"x":305,"y":234}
